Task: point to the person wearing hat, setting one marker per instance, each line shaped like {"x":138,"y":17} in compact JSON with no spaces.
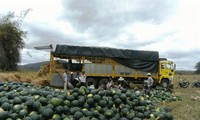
{"x":171,"y":79}
{"x":65,"y":77}
{"x":123,"y":83}
{"x":120,"y":83}
{"x":121,"y":79}
{"x":148,"y":84}
{"x":83,"y":78}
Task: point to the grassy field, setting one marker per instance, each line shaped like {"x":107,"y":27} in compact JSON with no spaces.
{"x":189,"y":108}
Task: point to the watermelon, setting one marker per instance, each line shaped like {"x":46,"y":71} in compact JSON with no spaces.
{"x":56,"y":117}
{"x":123,"y":98}
{"x":97,"y":98}
{"x":102,"y":103}
{"x":43,"y":101}
{"x":118,"y":101}
{"x":81,"y":101}
{"x":140,"y":115}
{"x":67,"y":103}
{"x":109,"y":113}
{"x":47,"y":113}
{"x":36,"y":106}
{"x":75,"y":103}
{"x":4,"y":115}
{"x":66,"y":109}
{"x":55,"y":102}
{"x":70,"y":98}
{"x":23,"y":113}
{"x":124,"y":111}
{"x":17,"y":100}
{"x":75,"y":95}
{"x":34,"y":116}
{"x":14,"y":116}
{"x":99,"y":108}
{"x":6,"y":106}
{"x":74,"y":109}
{"x":87,"y":113}
{"x":90,"y":102}
{"x":59,"y":109}
{"x":96,"y":113}
{"x":130,"y":115}
{"x":86,"y":106}
{"x":28,"y":102}
{"x":81,"y":91}
{"x":17,"y":108}
{"x":168,"y":116}
{"x":78,"y":115}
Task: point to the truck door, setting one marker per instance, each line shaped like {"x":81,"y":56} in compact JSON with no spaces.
{"x":162,"y":70}
{"x":165,"y":69}
{"x":168,"y":68}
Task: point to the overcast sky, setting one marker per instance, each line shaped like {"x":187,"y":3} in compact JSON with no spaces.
{"x":171,"y":27}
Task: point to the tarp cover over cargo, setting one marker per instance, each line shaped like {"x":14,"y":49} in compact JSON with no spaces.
{"x":136,"y":59}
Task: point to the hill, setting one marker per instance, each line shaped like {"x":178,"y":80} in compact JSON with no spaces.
{"x":37,"y":66}
{"x":32,"y":66}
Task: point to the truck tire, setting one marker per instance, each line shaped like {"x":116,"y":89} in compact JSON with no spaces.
{"x":92,"y":81}
{"x":165,"y":83}
{"x":103,"y":82}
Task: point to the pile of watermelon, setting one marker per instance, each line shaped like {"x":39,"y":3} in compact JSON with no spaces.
{"x":160,"y":94}
{"x":29,"y":102}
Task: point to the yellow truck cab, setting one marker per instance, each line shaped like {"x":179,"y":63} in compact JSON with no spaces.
{"x":102,"y":64}
{"x":165,"y":68}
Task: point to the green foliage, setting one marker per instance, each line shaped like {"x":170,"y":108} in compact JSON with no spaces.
{"x":11,"y":40}
{"x":197,"y":67}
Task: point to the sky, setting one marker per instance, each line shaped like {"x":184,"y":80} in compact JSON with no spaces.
{"x":171,"y":27}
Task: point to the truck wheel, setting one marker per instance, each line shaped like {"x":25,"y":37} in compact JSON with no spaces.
{"x":91,"y":81}
{"x":103,"y":82}
{"x":165,"y":83}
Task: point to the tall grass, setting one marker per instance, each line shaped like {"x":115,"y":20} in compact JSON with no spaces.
{"x":25,"y":76}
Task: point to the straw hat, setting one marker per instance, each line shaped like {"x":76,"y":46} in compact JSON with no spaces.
{"x":121,"y":78}
{"x":148,"y":74}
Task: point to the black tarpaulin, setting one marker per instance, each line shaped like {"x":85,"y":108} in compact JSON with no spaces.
{"x":136,"y":59}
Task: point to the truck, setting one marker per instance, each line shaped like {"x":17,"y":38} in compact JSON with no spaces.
{"x":102,"y":64}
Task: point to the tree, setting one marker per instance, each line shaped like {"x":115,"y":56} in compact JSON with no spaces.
{"x":197,"y":67}
{"x":11,"y":40}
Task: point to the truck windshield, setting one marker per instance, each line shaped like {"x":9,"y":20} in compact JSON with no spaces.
{"x":170,"y":66}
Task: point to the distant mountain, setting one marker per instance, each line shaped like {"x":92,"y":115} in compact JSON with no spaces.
{"x":32,"y":66}
{"x":184,"y":72}
{"x":36,"y":66}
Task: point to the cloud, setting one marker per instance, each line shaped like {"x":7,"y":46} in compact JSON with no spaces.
{"x":40,"y":35}
{"x":185,"y":60}
{"x":170,"y":27}
{"x":33,"y":56}
{"x":106,"y":18}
